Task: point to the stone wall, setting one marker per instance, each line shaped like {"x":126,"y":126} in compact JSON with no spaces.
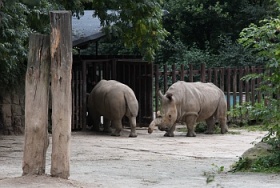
{"x":12,"y":112}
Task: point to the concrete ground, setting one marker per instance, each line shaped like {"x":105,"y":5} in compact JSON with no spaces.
{"x":150,"y":160}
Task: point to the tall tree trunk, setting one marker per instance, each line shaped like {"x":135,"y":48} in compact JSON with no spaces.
{"x":36,"y":105}
{"x":61,"y":70}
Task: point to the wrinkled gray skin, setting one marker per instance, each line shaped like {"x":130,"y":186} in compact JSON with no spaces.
{"x":191,"y":102}
{"x":112,"y":100}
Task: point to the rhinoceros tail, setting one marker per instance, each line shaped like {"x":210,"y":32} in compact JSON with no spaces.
{"x":131,"y":103}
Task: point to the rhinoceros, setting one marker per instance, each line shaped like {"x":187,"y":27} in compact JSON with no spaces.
{"x":191,"y":102}
{"x":112,"y":100}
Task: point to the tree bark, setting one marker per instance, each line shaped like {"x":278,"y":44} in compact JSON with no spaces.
{"x":36,"y":105}
{"x":61,"y":70}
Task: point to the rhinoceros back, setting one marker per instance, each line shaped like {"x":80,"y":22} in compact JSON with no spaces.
{"x":205,"y":99}
{"x":112,"y":99}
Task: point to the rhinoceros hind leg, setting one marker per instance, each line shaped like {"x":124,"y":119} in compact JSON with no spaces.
{"x":117,"y":124}
{"x":190,"y":122}
{"x":210,"y":125}
{"x":132,"y":122}
{"x":107,"y":126}
{"x":223,"y":124}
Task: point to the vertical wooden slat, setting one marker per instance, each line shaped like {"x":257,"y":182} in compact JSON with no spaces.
{"x":228,"y":71}
{"x":259,"y":71}
{"x":182,"y":73}
{"x":234,"y":85}
{"x":222,"y":79}
{"x":209,"y":79}
{"x":253,"y":86}
{"x":173,"y":73}
{"x":77,"y":99}
{"x":84,"y":96}
{"x":247,"y":94}
{"x":165,"y":78}
{"x":156,"y":87}
{"x":202,"y":72}
{"x":216,"y":76}
{"x":240,"y":86}
{"x":190,"y":73}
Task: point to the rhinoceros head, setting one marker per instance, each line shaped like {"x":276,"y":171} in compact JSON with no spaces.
{"x":169,"y":111}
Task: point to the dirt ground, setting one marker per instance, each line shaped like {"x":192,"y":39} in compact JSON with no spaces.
{"x":150,"y":160}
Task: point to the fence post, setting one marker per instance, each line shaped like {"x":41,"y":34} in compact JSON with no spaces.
{"x":61,"y":69}
{"x":36,"y":105}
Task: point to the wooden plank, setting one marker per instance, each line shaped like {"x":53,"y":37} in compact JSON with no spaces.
{"x":36,"y":105}
{"x":165,"y":81}
{"x":61,"y":67}
{"x":228,"y":82}
{"x":156,"y":87}
{"x":173,"y":73}
{"x":247,"y":94}
{"x":216,"y":76}
{"x":190,"y":73}
{"x":84,"y":96}
{"x":240,"y":90}
{"x":253,"y":86}
{"x":202,"y":73}
{"x":209,"y":77}
{"x":234,"y":85}
{"x":182,"y":73}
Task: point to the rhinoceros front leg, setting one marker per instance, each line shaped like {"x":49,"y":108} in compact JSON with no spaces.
{"x":132,"y":122}
{"x":170,"y":132}
{"x":190,"y":122}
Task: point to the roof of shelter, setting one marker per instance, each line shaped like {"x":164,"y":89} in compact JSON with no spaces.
{"x":86,"y":29}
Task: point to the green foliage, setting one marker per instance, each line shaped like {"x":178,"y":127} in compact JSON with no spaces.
{"x":246,"y":113}
{"x":19,"y":18}
{"x":14,"y":33}
{"x":264,"y":41}
{"x":206,"y":31}
{"x":137,"y":24}
{"x":269,"y":164}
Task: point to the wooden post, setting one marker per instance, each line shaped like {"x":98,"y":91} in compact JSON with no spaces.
{"x":61,"y":68}
{"x":36,"y":105}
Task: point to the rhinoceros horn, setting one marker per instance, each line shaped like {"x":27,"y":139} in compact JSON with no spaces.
{"x":160,"y":94}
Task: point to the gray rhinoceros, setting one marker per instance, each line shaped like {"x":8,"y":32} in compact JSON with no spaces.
{"x":191,"y":102}
{"x":112,"y":100}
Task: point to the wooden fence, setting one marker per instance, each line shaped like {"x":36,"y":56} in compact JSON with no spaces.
{"x":228,"y":79}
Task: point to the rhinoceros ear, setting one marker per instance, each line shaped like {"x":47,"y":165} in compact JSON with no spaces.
{"x":169,"y":96}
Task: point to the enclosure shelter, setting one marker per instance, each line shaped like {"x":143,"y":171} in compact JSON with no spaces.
{"x":88,"y":70}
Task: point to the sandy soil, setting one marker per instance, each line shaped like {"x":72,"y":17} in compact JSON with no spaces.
{"x":150,"y":160}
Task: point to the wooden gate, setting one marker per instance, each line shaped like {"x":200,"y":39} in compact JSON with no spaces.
{"x":136,"y":73}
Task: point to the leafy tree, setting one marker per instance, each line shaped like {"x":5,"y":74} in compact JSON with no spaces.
{"x":213,"y":27}
{"x":136,"y":23}
{"x":264,"y":41}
